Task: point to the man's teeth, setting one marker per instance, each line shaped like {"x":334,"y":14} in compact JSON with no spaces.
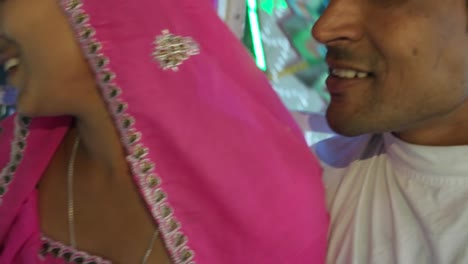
{"x":10,"y":64}
{"x":349,"y":74}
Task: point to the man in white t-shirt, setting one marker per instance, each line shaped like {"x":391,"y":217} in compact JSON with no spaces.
{"x":397,"y":173}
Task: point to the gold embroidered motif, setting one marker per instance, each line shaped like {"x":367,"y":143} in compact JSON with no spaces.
{"x":171,"y":51}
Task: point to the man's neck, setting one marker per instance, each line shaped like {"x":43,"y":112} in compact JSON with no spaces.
{"x":447,"y":130}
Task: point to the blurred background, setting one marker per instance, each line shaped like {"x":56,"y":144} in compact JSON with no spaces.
{"x":278,"y":35}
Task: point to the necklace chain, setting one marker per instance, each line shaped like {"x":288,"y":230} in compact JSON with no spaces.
{"x":71,"y":196}
{"x":71,"y":205}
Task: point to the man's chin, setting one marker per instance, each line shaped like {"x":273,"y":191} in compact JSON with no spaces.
{"x":345,"y":126}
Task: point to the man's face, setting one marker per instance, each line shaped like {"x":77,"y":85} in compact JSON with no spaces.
{"x":395,"y":64}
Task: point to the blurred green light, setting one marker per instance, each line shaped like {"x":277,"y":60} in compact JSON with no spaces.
{"x":256,"y":34}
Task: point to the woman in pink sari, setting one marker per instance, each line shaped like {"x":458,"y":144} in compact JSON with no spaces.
{"x":146,"y":134}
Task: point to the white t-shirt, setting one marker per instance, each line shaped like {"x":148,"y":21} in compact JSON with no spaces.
{"x":394,"y":202}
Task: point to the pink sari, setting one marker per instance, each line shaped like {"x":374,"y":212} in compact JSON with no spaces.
{"x":222,"y":166}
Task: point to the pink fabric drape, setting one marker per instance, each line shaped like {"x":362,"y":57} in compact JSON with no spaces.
{"x":235,"y":174}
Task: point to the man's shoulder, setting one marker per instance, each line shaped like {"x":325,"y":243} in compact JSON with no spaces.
{"x":340,"y":151}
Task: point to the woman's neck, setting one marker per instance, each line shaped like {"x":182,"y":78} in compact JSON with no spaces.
{"x":100,"y":144}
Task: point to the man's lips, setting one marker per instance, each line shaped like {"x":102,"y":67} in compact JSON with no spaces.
{"x":341,"y":80}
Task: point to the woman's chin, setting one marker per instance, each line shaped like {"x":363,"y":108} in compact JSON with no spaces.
{"x":30,"y":109}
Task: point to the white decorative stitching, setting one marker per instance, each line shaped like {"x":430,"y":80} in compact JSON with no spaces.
{"x":16,"y":155}
{"x":71,"y":255}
